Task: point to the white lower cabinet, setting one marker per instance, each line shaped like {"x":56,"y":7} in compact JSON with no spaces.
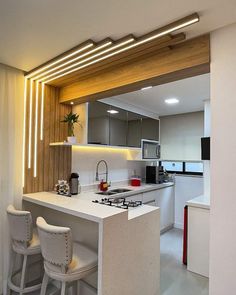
{"x":198,"y":240}
{"x":163,"y":198}
{"x":138,"y":197}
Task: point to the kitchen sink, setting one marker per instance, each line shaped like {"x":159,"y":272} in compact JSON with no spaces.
{"x":107,"y":193}
{"x":114,"y":192}
{"x":120,"y":190}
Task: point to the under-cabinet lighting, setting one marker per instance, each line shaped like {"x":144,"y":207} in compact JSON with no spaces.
{"x":42,"y":112}
{"x":60,"y":60}
{"x":171,"y":101}
{"x":99,"y":47}
{"x":113,"y":112}
{"x":158,"y":33}
{"x":101,"y":148}
{"x":30,"y":124}
{"x":90,"y":58}
{"x":36,"y":128}
{"x":145,"y":88}
{"x":24,"y":131}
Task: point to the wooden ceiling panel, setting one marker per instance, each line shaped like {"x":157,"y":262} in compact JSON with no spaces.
{"x":192,"y":54}
{"x":129,"y":55}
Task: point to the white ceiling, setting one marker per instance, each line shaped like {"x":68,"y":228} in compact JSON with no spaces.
{"x":32,"y":32}
{"x":191,"y":93}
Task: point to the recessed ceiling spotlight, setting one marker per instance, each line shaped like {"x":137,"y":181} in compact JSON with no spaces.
{"x":112,"y":112}
{"x":71,"y":102}
{"x":171,"y":101}
{"x":145,"y":88}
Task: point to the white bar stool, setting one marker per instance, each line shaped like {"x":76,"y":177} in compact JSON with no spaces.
{"x":25,"y":242}
{"x":64,"y":260}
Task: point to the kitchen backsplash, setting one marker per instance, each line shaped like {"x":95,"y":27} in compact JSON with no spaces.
{"x":84,"y":161}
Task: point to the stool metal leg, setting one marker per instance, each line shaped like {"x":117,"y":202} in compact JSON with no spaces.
{"x":11,"y":269}
{"x":44,"y":284}
{"x":63,"y":288}
{"x":22,"y":280}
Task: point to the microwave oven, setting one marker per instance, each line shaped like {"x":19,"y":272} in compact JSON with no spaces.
{"x":150,"y":149}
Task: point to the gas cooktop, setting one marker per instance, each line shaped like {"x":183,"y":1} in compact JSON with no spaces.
{"x":118,"y":202}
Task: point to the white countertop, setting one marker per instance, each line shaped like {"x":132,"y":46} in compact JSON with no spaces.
{"x":134,"y":190}
{"x":200,"y":202}
{"x":82,"y":206}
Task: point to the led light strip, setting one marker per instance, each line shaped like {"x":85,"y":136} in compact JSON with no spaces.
{"x":91,"y":57}
{"x":24,"y":127}
{"x":36,"y":128}
{"x":99,"y":47}
{"x":52,"y":68}
{"x":141,"y":41}
{"x":60,"y":60}
{"x":30,"y":124}
{"x":42,"y":112}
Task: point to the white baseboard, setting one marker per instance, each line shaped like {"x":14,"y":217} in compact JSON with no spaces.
{"x":178,"y":225}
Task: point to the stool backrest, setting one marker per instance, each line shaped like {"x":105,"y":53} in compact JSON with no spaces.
{"x":56,"y":243}
{"x":20,"y":223}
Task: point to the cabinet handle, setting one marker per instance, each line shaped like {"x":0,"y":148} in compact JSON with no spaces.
{"x":149,"y":202}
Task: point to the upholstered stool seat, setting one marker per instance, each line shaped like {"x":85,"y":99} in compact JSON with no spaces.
{"x":25,"y":242}
{"x":64,"y":260}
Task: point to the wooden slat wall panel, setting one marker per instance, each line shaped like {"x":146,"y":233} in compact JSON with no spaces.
{"x":53,"y":163}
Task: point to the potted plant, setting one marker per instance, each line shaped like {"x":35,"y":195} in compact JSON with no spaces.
{"x":71,"y":119}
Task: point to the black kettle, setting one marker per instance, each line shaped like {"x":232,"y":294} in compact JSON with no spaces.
{"x":74,"y":183}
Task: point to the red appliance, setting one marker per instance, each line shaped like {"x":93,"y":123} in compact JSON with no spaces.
{"x":135,"y":181}
{"x":103,"y":186}
{"x":185,"y":236}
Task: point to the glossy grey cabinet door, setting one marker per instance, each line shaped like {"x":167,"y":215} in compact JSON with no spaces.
{"x":134,"y":132}
{"x":150,"y":129}
{"x":118,"y":127}
{"x":98,"y":123}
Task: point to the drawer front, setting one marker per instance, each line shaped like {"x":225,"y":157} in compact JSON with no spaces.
{"x":151,"y":203}
{"x":138,"y":197}
{"x":150,"y":196}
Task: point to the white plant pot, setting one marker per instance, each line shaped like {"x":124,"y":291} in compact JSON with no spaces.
{"x":71,"y":139}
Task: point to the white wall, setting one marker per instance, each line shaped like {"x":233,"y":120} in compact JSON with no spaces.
{"x":223,"y":163}
{"x":186,"y":188}
{"x":180,"y":136}
{"x":84,"y":161}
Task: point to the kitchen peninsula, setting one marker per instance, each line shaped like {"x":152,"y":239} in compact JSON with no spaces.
{"x":127,"y":241}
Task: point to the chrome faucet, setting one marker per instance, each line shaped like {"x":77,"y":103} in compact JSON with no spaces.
{"x":106,"y":173}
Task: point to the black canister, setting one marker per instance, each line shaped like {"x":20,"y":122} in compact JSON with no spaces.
{"x":74,"y":183}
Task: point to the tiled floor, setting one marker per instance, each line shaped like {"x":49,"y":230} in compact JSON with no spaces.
{"x":175,"y":279}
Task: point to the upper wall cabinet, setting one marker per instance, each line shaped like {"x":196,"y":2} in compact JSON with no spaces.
{"x":150,"y":128}
{"x":98,"y":123}
{"x":109,"y":125}
{"x":134,"y":130}
{"x":118,"y":127}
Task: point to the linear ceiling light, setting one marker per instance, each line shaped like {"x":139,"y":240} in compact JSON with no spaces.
{"x":118,"y":45}
{"x":24,"y":129}
{"x":179,"y":24}
{"x":99,"y":47}
{"x":60,"y":59}
{"x":157,"y":34}
{"x":36,"y":128}
{"x":30,"y":124}
{"x":42,"y":112}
